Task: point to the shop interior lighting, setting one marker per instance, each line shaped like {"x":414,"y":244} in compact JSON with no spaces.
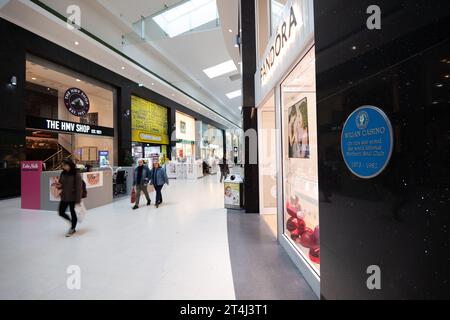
{"x":234,"y":94}
{"x":220,"y":69}
{"x":187,"y":16}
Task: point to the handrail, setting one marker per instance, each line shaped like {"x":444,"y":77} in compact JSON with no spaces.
{"x":53,"y":155}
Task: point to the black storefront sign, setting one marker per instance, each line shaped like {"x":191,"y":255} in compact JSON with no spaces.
{"x":68,"y":127}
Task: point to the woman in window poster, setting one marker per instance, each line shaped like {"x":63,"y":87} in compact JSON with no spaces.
{"x":298,"y":130}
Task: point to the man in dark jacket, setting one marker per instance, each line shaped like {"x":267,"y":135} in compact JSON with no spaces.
{"x":140,"y":182}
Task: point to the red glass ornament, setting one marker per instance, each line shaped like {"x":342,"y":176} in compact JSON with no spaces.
{"x":291,"y":210}
{"x":314,"y":255}
{"x":295,"y":234}
{"x":317,"y":234}
{"x":292,"y":224}
{"x":301,"y":226}
{"x":307,"y":240}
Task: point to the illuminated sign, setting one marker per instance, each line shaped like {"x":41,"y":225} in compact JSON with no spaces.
{"x":68,"y":127}
{"x":285,"y":34}
{"x":149,"y":121}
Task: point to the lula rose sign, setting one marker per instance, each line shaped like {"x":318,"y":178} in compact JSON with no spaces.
{"x":76,"y":102}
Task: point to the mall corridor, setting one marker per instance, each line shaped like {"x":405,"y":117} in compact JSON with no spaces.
{"x":303,"y":148}
{"x":178,"y":251}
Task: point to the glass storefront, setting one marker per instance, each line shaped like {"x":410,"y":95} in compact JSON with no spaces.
{"x":212,"y":142}
{"x":67,"y":115}
{"x":300,"y":163}
{"x":286,"y":99}
{"x":185,"y":135}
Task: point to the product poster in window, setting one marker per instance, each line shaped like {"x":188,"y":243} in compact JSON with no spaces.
{"x":93,"y":179}
{"x":298,"y":130}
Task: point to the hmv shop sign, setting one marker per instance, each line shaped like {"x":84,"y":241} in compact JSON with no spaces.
{"x":68,"y":127}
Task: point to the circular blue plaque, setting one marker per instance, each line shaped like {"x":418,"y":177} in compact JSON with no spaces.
{"x":367,"y":142}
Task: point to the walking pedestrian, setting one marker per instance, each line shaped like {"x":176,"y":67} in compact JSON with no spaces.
{"x":71,"y":187}
{"x":158,"y":179}
{"x":140,"y":182}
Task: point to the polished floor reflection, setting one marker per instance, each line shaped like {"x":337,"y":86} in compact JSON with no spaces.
{"x":179,"y":251}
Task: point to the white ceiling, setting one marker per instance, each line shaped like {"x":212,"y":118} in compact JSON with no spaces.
{"x":192,"y":52}
{"x":179,"y":61}
{"x":43,"y":74}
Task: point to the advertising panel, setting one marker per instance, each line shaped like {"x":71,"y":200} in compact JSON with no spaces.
{"x":148,"y":122}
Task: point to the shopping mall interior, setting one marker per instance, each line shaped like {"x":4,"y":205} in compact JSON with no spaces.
{"x":224,"y":150}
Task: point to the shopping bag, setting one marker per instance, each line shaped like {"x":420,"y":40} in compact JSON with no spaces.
{"x":80,"y":210}
{"x":133,"y":195}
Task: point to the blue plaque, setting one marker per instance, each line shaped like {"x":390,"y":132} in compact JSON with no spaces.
{"x":367,"y":142}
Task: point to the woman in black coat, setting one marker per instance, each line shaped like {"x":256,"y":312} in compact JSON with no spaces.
{"x":71,"y":186}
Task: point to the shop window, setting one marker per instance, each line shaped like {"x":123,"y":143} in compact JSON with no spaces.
{"x":300,"y":163}
{"x":66,"y":112}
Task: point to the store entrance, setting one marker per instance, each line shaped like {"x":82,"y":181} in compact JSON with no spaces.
{"x":268,"y":165}
{"x":53,"y":147}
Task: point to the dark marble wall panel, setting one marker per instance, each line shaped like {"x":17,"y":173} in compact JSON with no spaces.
{"x":400,"y":219}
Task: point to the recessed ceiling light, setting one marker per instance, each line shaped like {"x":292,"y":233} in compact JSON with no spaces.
{"x":234,"y":94}
{"x":354,"y":48}
{"x":447,"y":76}
{"x":439,"y":85}
{"x":220,"y":69}
{"x":33,"y":78}
{"x":230,"y":31}
{"x":78,"y":80}
{"x":140,"y":84}
{"x":123,"y":68}
{"x":76,"y":43}
{"x":153,"y":84}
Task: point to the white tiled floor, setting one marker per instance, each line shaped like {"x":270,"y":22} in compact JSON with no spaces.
{"x":179,"y":251}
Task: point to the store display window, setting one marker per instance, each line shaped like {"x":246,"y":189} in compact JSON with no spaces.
{"x":67,"y":114}
{"x":300,"y":163}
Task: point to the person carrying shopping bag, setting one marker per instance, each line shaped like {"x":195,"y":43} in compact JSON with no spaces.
{"x":71,"y":186}
{"x":140,"y":182}
{"x":158,"y":180}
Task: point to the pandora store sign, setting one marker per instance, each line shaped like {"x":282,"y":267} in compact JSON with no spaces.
{"x":285,"y":34}
{"x":293,"y":36}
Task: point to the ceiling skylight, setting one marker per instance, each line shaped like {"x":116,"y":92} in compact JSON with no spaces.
{"x":220,"y":69}
{"x":234,"y":94}
{"x":187,"y":16}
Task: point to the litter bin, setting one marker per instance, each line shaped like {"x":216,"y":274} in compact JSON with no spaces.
{"x":233,"y":192}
